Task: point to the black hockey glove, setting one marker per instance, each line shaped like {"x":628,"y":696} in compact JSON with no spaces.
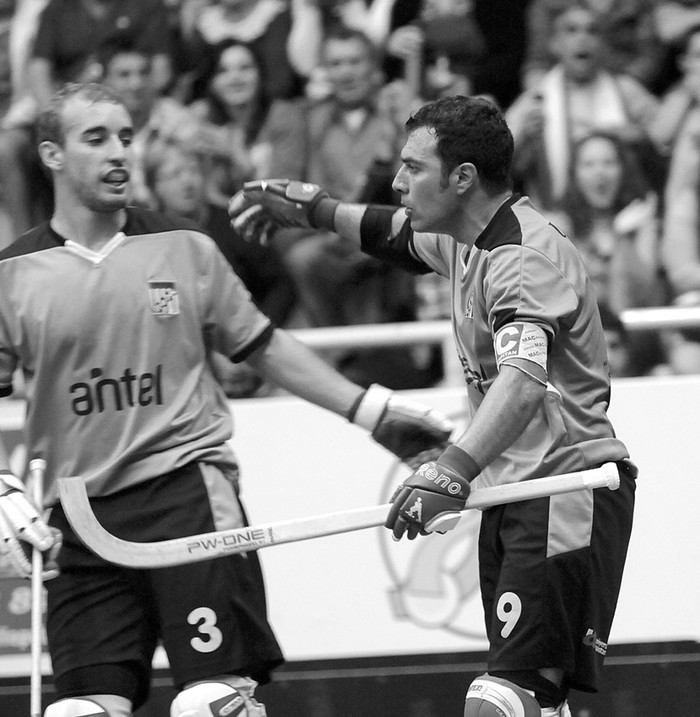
{"x":406,"y":428}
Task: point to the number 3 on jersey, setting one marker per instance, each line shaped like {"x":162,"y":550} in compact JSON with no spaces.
{"x":205,"y":620}
{"x":508,"y":610}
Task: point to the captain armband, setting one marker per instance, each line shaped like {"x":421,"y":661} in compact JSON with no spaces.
{"x":523,"y":340}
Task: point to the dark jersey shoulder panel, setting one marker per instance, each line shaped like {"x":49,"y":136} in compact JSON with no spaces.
{"x":146,"y":221}
{"x":37,"y":239}
{"x":138,"y":221}
{"x":504,"y":228}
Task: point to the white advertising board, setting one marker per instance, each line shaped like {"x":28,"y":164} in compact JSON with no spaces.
{"x":361,"y":594}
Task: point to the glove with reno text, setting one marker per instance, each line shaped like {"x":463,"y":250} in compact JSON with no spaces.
{"x":410,"y":430}
{"x":431,"y":498}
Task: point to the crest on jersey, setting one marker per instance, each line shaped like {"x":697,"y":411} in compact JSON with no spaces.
{"x":163,"y":298}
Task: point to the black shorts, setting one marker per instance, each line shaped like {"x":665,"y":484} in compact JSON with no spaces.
{"x":105,"y":621}
{"x":550,"y":572}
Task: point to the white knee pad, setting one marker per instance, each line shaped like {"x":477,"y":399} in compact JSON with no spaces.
{"x":493,"y":697}
{"x":218,"y":699}
{"x":90,"y":706}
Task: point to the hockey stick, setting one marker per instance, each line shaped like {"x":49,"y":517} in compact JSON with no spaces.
{"x":37,"y":466}
{"x":216,"y":544}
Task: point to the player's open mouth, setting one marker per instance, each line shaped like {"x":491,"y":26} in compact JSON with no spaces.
{"x":117,"y":177}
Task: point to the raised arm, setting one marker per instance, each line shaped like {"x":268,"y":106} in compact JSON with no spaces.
{"x":265,"y":205}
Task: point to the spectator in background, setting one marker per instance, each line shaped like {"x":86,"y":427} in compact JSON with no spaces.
{"x":680,"y":244}
{"x":439,"y":46}
{"x":682,"y":100}
{"x":265,"y":25}
{"x":20,"y":39}
{"x":176,"y":180}
{"x":575,"y":97}
{"x":481,"y":42}
{"x":353,"y":145}
{"x":611,"y":215}
{"x":243,"y":132}
{"x":128,"y":71}
{"x":313,"y":19}
{"x":69,"y":39}
{"x":630,"y":42}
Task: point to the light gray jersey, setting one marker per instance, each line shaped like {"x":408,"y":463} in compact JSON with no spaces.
{"x":522,"y":269}
{"x":114,"y":346}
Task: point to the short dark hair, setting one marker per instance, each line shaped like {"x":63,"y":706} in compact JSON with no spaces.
{"x":50,"y":127}
{"x":470,"y":129}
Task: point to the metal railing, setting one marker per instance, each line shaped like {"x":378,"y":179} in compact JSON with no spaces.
{"x":440,"y":332}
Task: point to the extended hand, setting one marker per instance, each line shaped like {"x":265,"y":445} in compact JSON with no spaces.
{"x":410,"y":430}
{"x":434,"y":491}
{"x":267,"y":204}
{"x":22,"y":528}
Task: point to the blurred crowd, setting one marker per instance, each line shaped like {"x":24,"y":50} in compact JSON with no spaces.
{"x":602,"y":96}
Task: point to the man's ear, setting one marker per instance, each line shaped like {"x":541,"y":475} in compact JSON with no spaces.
{"x":466,"y":176}
{"x":51,"y":154}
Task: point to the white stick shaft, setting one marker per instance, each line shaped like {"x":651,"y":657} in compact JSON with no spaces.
{"x":237,"y":540}
{"x":37,"y":466}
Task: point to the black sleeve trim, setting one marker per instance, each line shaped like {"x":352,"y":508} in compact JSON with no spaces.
{"x":505,"y":317}
{"x":261,"y":340}
{"x":376,"y":239}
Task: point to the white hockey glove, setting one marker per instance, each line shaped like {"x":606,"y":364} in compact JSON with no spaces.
{"x":413,"y":432}
{"x":265,"y":205}
{"x":21,"y":529}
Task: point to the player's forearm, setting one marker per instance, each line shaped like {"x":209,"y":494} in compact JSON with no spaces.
{"x":347,"y":221}
{"x":294,"y":367}
{"x":504,"y":414}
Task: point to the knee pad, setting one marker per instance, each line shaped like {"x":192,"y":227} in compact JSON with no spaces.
{"x":493,"y":697}
{"x":218,"y":698}
{"x":561,"y":711}
{"x":89,"y":706}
